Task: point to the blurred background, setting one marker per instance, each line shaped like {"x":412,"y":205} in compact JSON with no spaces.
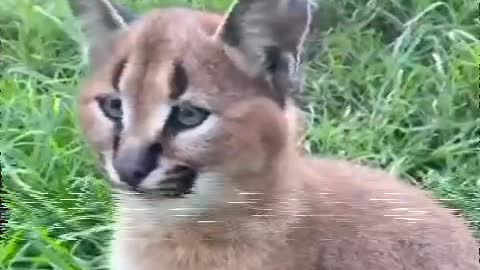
{"x":393,"y":83}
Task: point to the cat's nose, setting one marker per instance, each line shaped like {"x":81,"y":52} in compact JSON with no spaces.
{"x":134,"y":164}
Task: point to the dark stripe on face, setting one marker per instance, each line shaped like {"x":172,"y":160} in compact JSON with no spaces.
{"x":179,"y":81}
{"x":117,"y":130}
{"x":117,"y":74}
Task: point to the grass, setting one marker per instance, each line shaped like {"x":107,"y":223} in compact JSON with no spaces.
{"x":391,"y":84}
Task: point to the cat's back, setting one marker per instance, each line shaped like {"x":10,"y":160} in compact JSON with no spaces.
{"x":365,"y":218}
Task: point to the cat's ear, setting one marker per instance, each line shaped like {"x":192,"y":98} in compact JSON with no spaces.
{"x":267,"y":38}
{"x":100,"y":20}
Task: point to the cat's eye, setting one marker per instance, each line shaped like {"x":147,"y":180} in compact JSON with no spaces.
{"x":187,"y":116}
{"x":111,"y":106}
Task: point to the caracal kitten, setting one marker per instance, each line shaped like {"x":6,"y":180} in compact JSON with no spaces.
{"x":192,"y":115}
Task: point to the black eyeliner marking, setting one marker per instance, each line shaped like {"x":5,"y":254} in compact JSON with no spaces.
{"x":102,"y":103}
{"x":173,"y":126}
{"x":179,"y":81}
{"x":117,"y":123}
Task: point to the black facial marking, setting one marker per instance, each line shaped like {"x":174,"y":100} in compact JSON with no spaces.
{"x":174,"y":125}
{"x":107,"y":104}
{"x":117,"y":130}
{"x":111,"y":106}
{"x":117,"y":74}
{"x":179,"y":81}
{"x":183,"y":179}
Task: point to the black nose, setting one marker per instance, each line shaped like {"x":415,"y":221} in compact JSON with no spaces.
{"x":134,"y":164}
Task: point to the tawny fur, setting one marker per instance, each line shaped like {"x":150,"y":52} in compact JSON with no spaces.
{"x":269,"y":206}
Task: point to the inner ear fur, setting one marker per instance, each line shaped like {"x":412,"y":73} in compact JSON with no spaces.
{"x":266,"y":39}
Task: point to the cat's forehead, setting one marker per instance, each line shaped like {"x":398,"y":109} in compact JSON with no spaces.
{"x":165,"y":60}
